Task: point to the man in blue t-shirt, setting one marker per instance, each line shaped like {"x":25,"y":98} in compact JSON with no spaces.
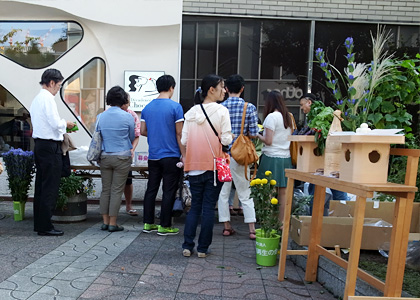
{"x":162,"y":121}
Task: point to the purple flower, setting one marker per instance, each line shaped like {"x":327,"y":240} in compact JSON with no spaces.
{"x":334,"y":92}
{"x":346,"y":114}
{"x":364,"y":109}
{"x":351,"y":77}
{"x":334,"y":81}
{"x":370,"y":69}
{"x":366,"y":100}
{"x":353,"y":101}
{"x":319,"y":51}
{"x":350,"y":55}
{"x":349,"y":42}
{"x":324,"y":65}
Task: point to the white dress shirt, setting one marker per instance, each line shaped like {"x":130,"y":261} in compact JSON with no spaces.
{"x":45,"y":120}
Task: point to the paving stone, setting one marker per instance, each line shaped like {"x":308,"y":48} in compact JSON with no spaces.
{"x":144,"y":293}
{"x":67,"y":288}
{"x":10,"y":294}
{"x":103,"y":291}
{"x":200,"y":287}
{"x":117,"y":279}
{"x":248,"y":289}
{"x":275,"y":293}
{"x":167,"y":283}
{"x":23,"y":283}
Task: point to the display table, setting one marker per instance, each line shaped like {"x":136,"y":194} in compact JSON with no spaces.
{"x":404,"y":194}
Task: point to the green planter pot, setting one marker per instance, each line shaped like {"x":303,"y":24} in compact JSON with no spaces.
{"x":267,"y":249}
{"x":18,"y":210}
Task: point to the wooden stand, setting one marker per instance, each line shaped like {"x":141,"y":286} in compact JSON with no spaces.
{"x":404,"y":194}
{"x":308,"y":159}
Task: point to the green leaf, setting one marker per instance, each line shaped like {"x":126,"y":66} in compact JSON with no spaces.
{"x":389,"y":118}
{"x":374,"y":104}
{"x":375,"y":118}
{"x":387,"y":107}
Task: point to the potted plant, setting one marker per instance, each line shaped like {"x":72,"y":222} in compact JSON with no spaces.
{"x":72,"y":198}
{"x":20,"y":166}
{"x":263,"y":191}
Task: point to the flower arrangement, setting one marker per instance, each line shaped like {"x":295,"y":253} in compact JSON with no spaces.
{"x":374,"y":93}
{"x":73,"y":185}
{"x":20,"y":166}
{"x":263,"y":191}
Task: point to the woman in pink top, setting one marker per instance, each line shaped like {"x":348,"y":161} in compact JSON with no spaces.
{"x":202,"y":147}
{"x":128,"y":190}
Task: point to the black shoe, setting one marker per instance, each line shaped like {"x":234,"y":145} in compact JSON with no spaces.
{"x":104,"y":227}
{"x":52,"y":232}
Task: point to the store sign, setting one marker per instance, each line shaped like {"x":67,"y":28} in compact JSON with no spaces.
{"x":141,"y":86}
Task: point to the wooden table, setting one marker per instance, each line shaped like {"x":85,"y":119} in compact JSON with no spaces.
{"x":143,"y":171}
{"x":404,"y":194}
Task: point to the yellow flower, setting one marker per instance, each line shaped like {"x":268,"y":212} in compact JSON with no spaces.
{"x":274,"y":201}
{"x":252,"y":183}
{"x":257,"y":181}
{"x":273,"y":182}
{"x":268,"y":173}
{"x":264,"y":181}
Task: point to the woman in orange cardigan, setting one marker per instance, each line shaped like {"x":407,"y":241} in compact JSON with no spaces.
{"x":202,"y":147}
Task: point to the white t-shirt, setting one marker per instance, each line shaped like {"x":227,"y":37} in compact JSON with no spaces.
{"x":280,"y":145}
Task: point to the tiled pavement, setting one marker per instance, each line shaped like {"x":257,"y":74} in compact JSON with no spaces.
{"x":87,"y":263}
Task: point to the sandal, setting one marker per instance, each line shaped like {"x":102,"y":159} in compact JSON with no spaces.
{"x":228,"y":232}
{"x":132,"y":212}
{"x":233,"y":212}
{"x":252,"y":235}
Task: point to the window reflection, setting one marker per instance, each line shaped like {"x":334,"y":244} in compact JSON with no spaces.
{"x":84,"y":92}
{"x":188,"y":51}
{"x":206,"y":49}
{"x":37,"y":44}
{"x":228,"y":49}
{"x":15,"y":123}
{"x":249,"y":49}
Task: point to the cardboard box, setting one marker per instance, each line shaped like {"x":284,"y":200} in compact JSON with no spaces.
{"x":375,"y":209}
{"x":337,"y":231}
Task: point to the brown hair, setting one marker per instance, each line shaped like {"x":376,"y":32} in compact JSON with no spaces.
{"x":275,"y":101}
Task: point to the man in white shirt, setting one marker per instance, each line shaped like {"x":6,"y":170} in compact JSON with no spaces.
{"x":48,"y":130}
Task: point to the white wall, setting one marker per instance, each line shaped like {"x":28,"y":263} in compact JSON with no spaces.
{"x":141,"y":35}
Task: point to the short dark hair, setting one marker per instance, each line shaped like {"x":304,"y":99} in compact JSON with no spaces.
{"x":51,"y":74}
{"x":116,"y":96}
{"x":309,"y":96}
{"x":164,"y":83}
{"x":234,"y":83}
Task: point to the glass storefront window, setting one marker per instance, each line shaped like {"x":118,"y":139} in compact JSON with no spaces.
{"x":206,"y":49}
{"x":228,"y":49}
{"x":37,"y":45}
{"x":188,"y":50}
{"x":249,"y":49}
{"x":284,"y":52}
{"x":84,"y":92}
{"x":15,"y":123}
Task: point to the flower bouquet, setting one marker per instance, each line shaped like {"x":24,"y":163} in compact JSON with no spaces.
{"x":375,"y":93}
{"x":20,"y":167}
{"x":263,"y":191}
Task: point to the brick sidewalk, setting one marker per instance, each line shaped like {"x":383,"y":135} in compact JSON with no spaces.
{"x":87,"y":263}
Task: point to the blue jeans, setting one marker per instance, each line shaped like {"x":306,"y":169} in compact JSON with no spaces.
{"x":204,"y":198}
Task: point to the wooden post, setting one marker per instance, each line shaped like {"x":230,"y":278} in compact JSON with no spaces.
{"x":356,"y":242}
{"x":316,"y":231}
{"x":286,"y":224}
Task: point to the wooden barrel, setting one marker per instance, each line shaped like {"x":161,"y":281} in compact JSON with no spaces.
{"x":76,"y":210}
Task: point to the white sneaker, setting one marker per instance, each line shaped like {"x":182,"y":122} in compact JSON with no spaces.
{"x":201,"y":254}
{"x":186,"y":253}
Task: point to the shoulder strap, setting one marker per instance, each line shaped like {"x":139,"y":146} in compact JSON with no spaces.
{"x":208,"y":120}
{"x":293,"y":121}
{"x":243,"y":118}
